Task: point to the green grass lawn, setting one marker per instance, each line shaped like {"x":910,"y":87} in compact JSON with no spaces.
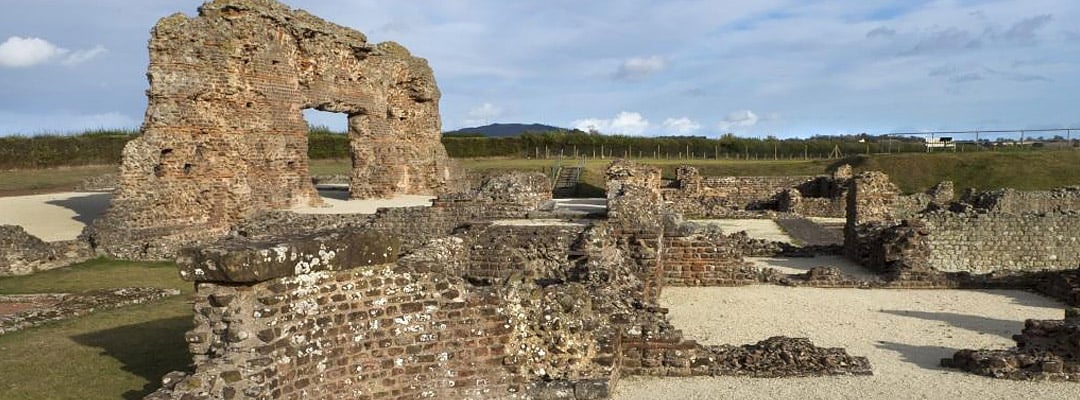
{"x":112,"y":354}
{"x":28,"y":181}
{"x":913,"y":172}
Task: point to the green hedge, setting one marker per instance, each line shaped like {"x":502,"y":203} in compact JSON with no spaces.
{"x":104,"y":147}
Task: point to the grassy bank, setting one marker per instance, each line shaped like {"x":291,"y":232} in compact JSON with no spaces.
{"x":113,"y":354}
{"x":1026,"y":170}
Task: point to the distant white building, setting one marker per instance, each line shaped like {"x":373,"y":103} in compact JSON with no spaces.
{"x":939,"y":143}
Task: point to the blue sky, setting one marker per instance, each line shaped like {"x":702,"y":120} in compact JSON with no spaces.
{"x":755,"y":68}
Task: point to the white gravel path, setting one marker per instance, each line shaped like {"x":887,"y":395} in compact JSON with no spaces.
{"x":54,"y":216}
{"x":904,"y":333}
{"x":337,"y":202}
{"x":62,"y":216}
{"x":755,"y":228}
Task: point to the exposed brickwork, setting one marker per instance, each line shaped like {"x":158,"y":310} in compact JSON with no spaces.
{"x":569,"y":313}
{"x":706,"y":260}
{"x":224,"y":136}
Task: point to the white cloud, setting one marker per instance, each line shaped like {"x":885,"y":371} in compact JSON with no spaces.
{"x":739,"y":119}
{"x":81,"y":56}
{"x":639,"y":68}
{"x":483,"y":114}
{"x":19,"y":52}
{"x":626,"y":123}
{"x":681,"y":126}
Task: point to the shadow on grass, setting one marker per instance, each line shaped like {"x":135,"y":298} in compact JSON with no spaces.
{"x":148,"y":350}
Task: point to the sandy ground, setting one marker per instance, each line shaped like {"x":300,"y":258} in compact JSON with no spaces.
{"x":337,"y":202}
{"x":537,"y":222}
{"x":904,"y":333}
{"x":62,"y":216}
{"x":802,"y":264}
{"x":755,"y":228}
{"x":55,"y":216}
{"x":828,"y":220}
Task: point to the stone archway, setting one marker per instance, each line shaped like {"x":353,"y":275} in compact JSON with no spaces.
{"x":224,"y":135}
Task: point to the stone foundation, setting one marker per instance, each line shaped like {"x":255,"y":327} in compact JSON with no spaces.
{"x":498,"y":309}
{"x":22,"y":253}
{"x":1045,"y":350}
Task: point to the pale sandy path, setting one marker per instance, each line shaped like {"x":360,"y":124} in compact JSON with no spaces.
{"x":53,"y":216}
{"x":62,"y":216}
{"x":904,"y":333}
{"x":755,"y":228}
{"x":799,"y":265}
{"x":337,"y":202}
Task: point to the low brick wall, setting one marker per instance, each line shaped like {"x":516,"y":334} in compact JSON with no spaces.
{"x":702,"y":260}
{"x":328,"y":317}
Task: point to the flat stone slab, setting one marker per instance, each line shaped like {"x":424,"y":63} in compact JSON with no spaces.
{"x":249,"y":261}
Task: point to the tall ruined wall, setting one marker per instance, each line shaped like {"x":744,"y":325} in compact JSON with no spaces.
{"x":224,"y":136}
{"x":987,"y":242}
{"x":871,"y":199}
{"x":636,"y":214}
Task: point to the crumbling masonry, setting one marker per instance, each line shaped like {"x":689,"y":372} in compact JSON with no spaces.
{"x":496,"y":307}
{"x":224,"y":136}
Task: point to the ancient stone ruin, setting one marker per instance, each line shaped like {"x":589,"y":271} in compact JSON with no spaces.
{"x":502,"y":300}
{"x":492,"y":292}
{"x":224,"y":136}
{"x":700,"y":196}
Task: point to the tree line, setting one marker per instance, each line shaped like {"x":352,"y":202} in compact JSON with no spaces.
{"x":104,"y":147}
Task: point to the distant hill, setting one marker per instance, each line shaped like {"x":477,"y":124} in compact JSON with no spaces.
{"x":503,"y":130}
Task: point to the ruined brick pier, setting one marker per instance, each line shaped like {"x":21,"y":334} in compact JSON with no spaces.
{"x":224,"y":135}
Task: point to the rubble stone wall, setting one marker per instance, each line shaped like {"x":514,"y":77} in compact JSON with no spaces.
{"x":635,"y":213}
{"x":224,"y":135}
{"x":22,"y":253}
{"x":704,"y":197}
{"x":987,"y":242}
{"x":1014,"y":201}
{"x":535,"y":250}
